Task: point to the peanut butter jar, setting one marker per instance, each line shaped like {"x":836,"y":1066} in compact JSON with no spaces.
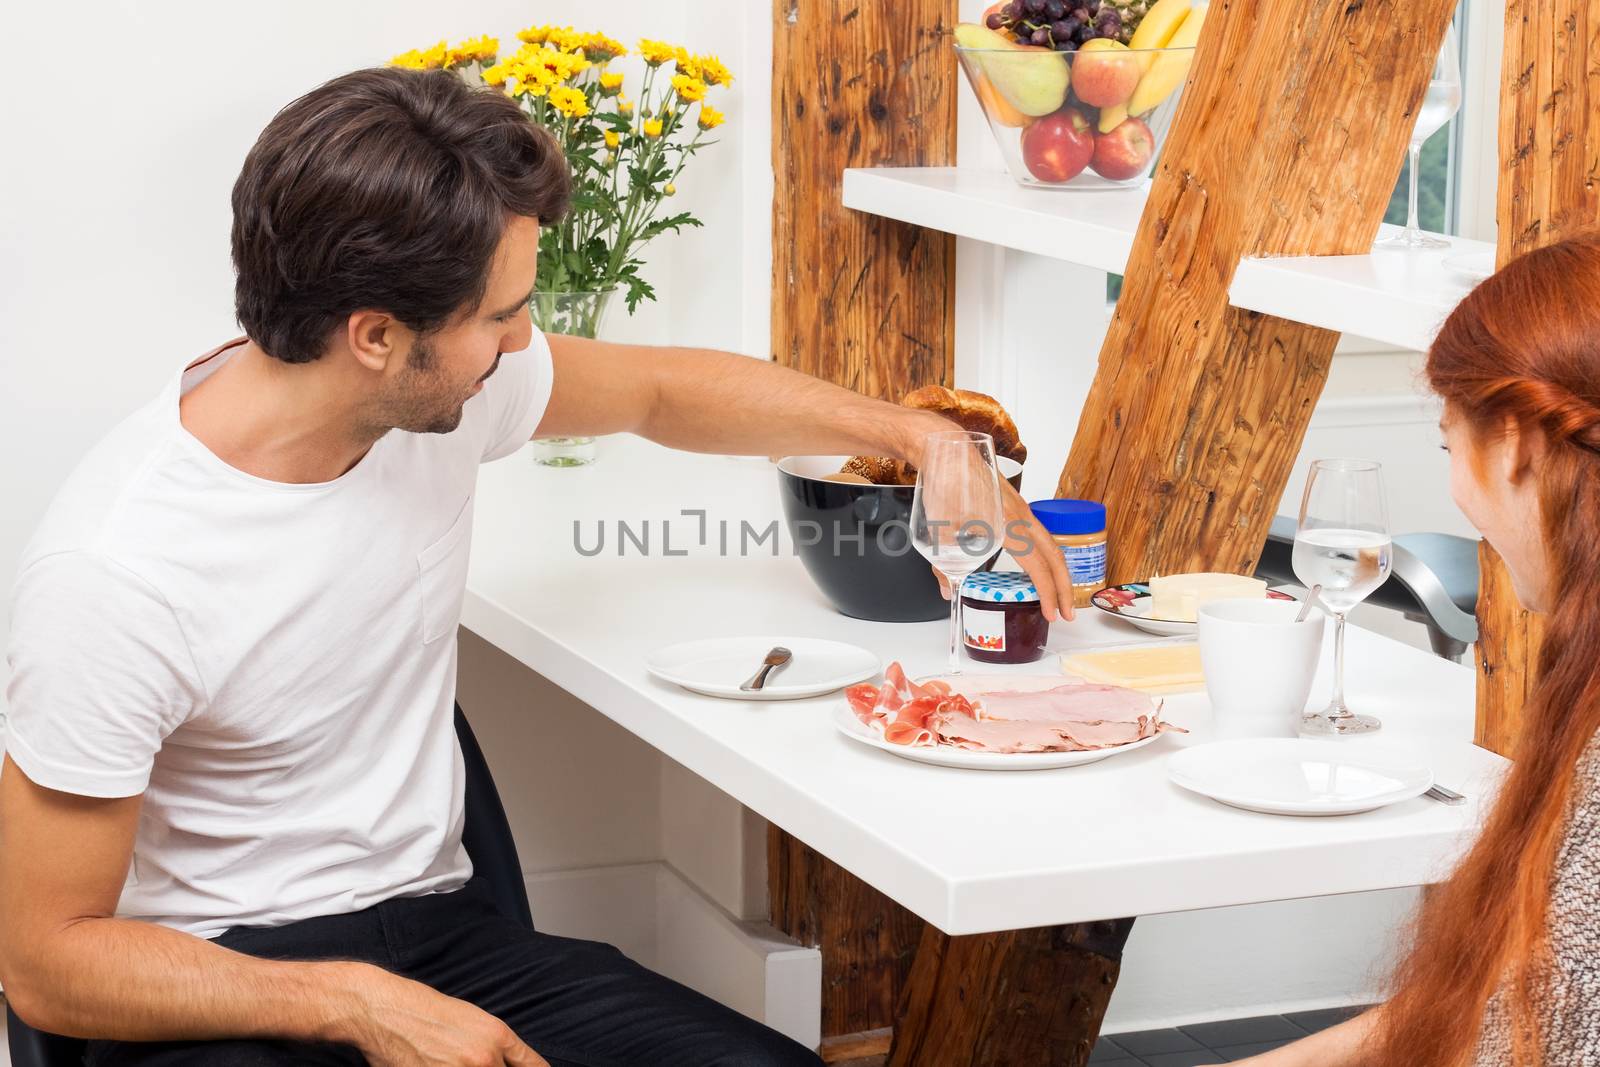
{"x":1078,"y":528}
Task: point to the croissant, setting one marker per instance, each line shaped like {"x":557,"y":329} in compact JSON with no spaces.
{"x":971,"y":410}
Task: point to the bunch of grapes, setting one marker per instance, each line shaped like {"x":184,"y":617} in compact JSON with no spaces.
{"x":1066,"y":24}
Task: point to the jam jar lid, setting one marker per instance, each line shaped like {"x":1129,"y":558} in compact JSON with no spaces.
{"x":1002,"y":587}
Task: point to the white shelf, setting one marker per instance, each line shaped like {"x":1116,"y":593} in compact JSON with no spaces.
{"x":1398,"y":298}
{"x":1094,"y":228}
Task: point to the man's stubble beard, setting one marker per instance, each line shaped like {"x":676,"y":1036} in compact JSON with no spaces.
{"x":423,"y":401}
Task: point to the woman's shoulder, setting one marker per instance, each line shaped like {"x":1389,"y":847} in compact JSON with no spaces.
{"x":1575,"y":917}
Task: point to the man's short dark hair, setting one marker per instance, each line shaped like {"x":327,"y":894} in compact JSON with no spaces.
{"x":386,"y":189}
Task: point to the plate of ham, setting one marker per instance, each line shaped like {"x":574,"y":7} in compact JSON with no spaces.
{"x":999,"y":721}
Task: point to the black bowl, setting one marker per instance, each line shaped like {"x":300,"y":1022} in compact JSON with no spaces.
{"x":854,"y":541}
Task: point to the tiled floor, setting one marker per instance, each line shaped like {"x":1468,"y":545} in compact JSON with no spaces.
{"x":1206,"y":1043}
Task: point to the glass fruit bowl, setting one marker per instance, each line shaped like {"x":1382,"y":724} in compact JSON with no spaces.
{"x":1091,"y":118}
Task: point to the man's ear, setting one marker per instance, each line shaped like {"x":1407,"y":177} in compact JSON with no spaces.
{"x":374,"y":338}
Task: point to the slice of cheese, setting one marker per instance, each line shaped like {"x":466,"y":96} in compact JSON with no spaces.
{"x":1150,"y":668}
{"x":1177,"y":597}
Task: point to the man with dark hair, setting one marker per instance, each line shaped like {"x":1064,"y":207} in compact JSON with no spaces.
{"x":231,"y":805}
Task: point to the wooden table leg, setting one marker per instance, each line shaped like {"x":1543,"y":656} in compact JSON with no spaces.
{"x":1021,"y":997}
{"x":896,"y":990}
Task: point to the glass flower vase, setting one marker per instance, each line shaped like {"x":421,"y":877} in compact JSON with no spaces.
{"x":578,"y":314}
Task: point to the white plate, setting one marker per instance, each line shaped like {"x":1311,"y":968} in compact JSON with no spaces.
{"x":952,"y":756}
{"x":1138,"y":614}
{"x":717,"y":666}
{"x":1474,"y":266}
{"x":1137,"y":611}
{"x":1301,"y":776}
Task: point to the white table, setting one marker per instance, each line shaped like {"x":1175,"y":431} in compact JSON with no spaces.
{"x":970,"y":852}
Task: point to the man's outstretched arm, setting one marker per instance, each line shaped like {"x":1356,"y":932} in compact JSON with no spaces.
{"x":700,"y":400}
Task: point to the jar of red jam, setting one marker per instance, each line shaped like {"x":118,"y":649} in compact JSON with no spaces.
{"x":1001,"y":619}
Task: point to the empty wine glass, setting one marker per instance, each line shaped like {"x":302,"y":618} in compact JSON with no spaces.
{"x":956,"y":513}
{"x":1342,"y":544}
{"x":1439,"y":103}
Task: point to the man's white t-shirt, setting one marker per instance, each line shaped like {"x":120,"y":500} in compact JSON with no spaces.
{"x":273,"y":666}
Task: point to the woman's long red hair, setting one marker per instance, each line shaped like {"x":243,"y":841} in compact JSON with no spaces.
{"x":1525,"y":346}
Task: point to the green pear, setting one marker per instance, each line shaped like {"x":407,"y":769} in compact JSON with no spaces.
{"x":1031,"y":79}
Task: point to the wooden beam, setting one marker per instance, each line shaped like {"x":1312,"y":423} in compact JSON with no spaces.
{"x":867,"y":940}
{"x":1288,"y":142}
{"x":1549,"y":189}
{"x":1028,"y":996}
{"x":858,"y":299}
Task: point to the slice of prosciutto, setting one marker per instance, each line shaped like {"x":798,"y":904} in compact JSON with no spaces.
{"x":1000,"y":713}
{"x":899,"y":709}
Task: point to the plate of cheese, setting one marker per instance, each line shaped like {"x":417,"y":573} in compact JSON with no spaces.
{"x":1166,"y":605}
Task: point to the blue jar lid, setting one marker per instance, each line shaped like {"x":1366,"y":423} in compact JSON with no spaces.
{"x":1002,"y":587}
{"x":1070,"y":516}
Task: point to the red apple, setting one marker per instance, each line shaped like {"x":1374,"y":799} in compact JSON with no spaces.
{"x":1057,"y":146}
{"x":1105,"y":73}
{"x":1124,"y":152}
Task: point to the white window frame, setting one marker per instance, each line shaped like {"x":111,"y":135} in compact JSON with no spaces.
{"x":1475,"y":159}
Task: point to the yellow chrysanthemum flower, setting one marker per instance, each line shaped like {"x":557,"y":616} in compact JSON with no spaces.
{"x":624,"y":106}
{"x":652,"y":128}
{"x":528,"y":86}
{"x":710,"y":70}
{"x":497,"y":74}
{"x":566,"y":39}
{"x":691,"y":89}
{"x":610,"y":84}
{"x":612,"y":140}
{"x":411,"y":60}
{"x":669,"y":189}
{"x":534,"y":34}
{"x":602,"y":49}
{"x":434,"y":58}
{"x":710,"y":117}
{"x":473,"y":50}
{"x":656,"y":53}
{"x":562,"y":66}
{"x":569,"y":101}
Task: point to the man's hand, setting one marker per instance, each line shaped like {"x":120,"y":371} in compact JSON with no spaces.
{"x":402,"y":1023}
{"x":1032,"y":547}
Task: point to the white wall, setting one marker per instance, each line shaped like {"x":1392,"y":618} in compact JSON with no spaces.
{"x":114,"y":198}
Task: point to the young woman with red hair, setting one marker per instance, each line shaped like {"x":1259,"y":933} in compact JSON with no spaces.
{"x":1504,"y":970}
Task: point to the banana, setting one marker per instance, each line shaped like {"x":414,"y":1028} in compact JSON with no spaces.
{"x":1157,"y":27}
{"x":1111,"y":117}
{"x":1169,"y":68}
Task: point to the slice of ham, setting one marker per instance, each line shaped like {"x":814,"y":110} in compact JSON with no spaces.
{"x":1074,"y":702}
{"x":1000,"y":713}
{"x":1029,"y":735}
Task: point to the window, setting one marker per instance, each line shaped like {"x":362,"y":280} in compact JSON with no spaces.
{"x":1456,"y":148}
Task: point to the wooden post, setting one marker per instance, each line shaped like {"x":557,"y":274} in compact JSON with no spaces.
{"x":1291,"y":134}
{"x":858,"y":299}
{"x":1549,"y":188}
{"x":1022,"y":997}
{"x":869,"y":303}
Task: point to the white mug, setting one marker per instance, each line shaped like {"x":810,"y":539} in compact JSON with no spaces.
{"x":1258,"y":664}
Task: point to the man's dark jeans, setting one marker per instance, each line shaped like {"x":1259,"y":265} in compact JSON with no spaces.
{"x":575,"y":1002}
